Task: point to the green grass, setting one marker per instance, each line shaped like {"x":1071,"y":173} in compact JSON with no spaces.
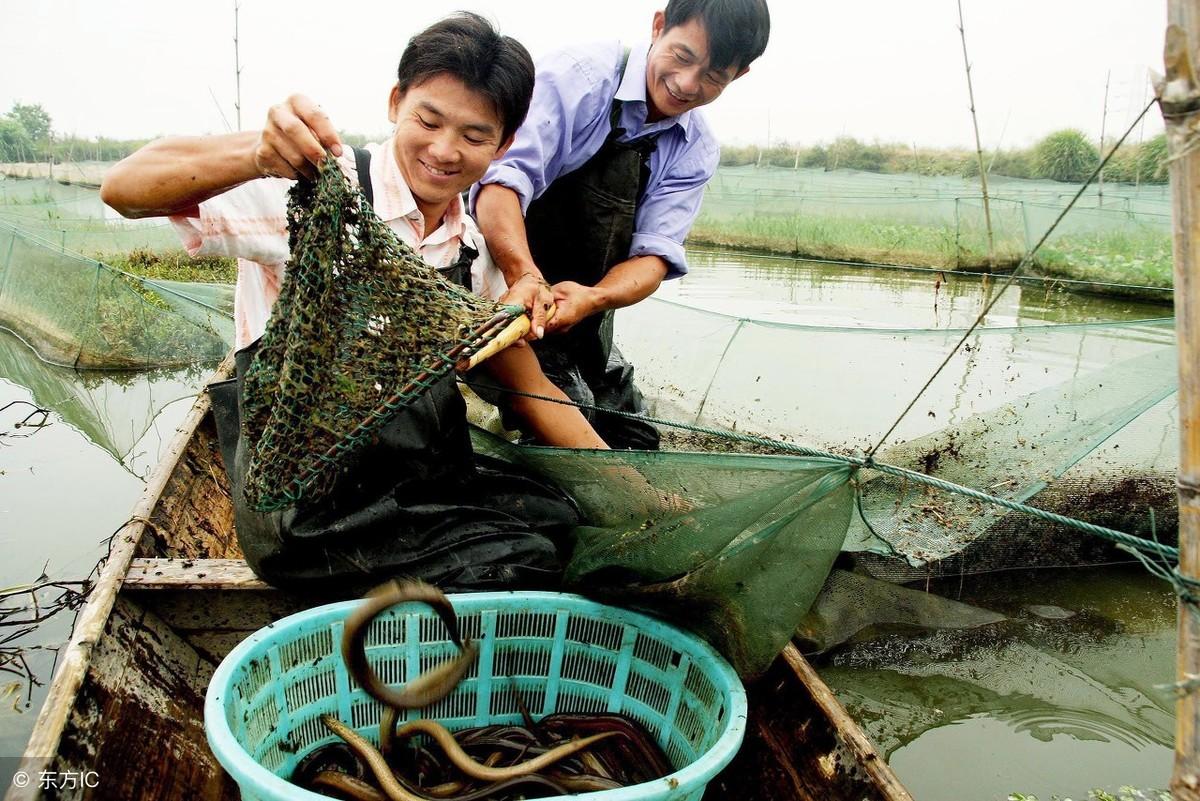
{"x":173,"y":265}
{"x":1124,"y":257}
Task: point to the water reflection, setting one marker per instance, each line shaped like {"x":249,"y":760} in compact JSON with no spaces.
{"x":819,"y":293}
{"x":1061,"y":698}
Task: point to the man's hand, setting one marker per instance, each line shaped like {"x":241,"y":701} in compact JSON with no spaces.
{"x":294,"y":140}
{"x":532,"y":292}
{"x":575,"y":302}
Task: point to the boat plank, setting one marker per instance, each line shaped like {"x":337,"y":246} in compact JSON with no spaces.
{"x":137,"y":721}
{"x":192,"y":574}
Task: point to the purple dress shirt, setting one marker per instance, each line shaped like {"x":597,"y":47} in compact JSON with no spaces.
{"x":568,"y":122}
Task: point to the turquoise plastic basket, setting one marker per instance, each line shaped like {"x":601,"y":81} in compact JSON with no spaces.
{"x":561,"y":652}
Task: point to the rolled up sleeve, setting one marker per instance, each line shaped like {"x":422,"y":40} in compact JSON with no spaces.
{"x":248,"y":222}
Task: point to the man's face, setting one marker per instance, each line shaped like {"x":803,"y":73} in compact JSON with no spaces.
{"x":446,"y":136}
{"x":678,"y":75}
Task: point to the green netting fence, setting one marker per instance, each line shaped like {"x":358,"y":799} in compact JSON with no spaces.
{"x":1079,"y":419}
{"x":79,"y":312}
{"x":899,"y":219}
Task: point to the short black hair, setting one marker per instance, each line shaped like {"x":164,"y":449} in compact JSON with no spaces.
{"x":737,"y":29}
{"x":469,"y":48}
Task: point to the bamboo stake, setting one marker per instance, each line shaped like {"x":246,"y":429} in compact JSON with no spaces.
{"x":1103,"y":124}
{"x":1179,"y":96}
{"x":987,"y":209}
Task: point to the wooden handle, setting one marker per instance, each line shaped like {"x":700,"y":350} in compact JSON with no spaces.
{"x":511,"y":333}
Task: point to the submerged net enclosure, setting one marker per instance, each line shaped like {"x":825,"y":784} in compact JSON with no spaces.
{"x":938,"y":221}
{"x":75,"y":310}
{"x":1078,"y":418}
{"x":361,"y":328}
{"x":732,"y":546}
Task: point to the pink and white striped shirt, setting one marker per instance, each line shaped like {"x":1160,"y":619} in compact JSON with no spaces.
{"x":249,"y":222}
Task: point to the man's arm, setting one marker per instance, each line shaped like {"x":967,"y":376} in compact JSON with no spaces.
{"x":558,"y":424}
{"x":503,"y":227}
{"x":623,"y":285}
{"x":174,"y":175}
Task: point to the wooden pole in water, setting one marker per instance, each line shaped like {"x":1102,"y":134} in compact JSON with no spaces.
{"x":1179,"y":96}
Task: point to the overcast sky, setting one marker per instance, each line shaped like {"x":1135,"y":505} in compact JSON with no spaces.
{"x":873,"y":69}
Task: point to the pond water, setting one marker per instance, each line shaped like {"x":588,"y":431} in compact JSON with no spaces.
{"x":64,"y":488}
{"x":1038,"y":704}
{"x":782,"y":290}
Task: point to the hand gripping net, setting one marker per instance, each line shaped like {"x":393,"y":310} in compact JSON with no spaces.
{"x":361,"y":329}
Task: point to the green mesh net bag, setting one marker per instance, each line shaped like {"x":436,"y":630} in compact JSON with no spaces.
{"x":734,"y":547}
{"x":361,"y":329}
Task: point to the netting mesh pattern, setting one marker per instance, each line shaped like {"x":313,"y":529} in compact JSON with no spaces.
{"x":1079,"y":419}
{"x":734,"y":547}
{"x":362,"y":327}
{"x":79,"y":312}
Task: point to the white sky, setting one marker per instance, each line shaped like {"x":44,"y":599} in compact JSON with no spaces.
{"x":875,"y":69}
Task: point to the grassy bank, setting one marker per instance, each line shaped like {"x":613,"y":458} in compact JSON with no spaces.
{"x":1141,"y":258}
{"x":173,"y":265}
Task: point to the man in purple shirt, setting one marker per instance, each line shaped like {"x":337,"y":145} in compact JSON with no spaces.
{"x":589,"y":208}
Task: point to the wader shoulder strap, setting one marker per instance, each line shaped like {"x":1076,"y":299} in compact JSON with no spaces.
{"x":362,"y":163}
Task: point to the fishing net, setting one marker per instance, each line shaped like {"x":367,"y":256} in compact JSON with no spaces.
{"x":732,"y":546}
{"x":361,"y":329}
{"x":854,"y":606}
{"x":936,"y":221}
{"x":79,"y":312}
{"x":1077,"y":418}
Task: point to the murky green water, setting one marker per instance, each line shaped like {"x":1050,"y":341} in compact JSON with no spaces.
{"x":1044,"y":703}
{"x":1061,"y":698}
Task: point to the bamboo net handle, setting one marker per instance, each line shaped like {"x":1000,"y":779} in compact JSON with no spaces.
{"x":511,"y":333}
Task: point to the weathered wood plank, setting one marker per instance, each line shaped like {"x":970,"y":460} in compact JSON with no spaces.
{"x":138,"y":719}
{"x":192,"y":574}
{"x":194,"y":514}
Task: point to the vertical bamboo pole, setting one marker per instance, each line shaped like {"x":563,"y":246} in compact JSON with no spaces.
{"x":1179,"y":96}
{"x":987,"y":209}
{"x":1103,"y":125}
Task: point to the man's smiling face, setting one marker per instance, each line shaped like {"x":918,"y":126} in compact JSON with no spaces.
{"x":679,"y":76}
{"x":446,"y":137}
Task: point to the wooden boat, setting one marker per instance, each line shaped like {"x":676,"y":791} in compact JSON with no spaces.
{"x":173,"y":598}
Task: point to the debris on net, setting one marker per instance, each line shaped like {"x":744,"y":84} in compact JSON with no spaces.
{"x":361,"y":328}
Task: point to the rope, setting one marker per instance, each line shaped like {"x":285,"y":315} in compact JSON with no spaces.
{"x":1025,"y":261}
{"x":856,"y":463}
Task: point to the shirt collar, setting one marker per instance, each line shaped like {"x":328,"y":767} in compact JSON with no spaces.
{"x":396,"y":200}
{"x":632,"y":89}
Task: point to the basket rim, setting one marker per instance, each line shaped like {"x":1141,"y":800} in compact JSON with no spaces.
{"x":252,"y":776}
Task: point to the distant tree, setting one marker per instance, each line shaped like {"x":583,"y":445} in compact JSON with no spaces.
{"x":34,"y":119}
{"x":1065,"y":156}
{"x":15,"y":144}
{"x":734,"y":156}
